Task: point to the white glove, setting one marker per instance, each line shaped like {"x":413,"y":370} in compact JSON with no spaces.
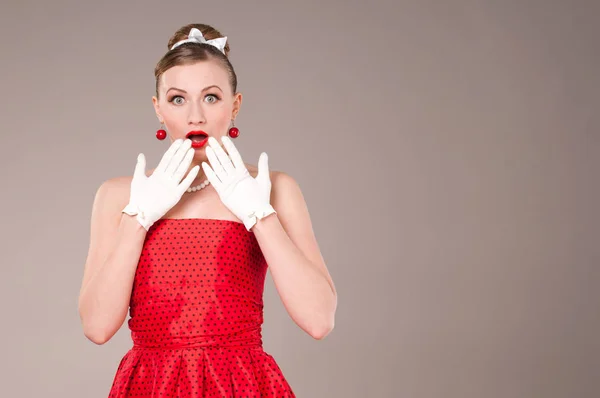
{"x":246,"y":197}
{"x":151,"y":197}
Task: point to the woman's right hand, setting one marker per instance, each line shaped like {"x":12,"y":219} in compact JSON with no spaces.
{"x":152,"y":197}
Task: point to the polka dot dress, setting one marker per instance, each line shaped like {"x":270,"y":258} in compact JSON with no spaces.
{"x":196,"y":316}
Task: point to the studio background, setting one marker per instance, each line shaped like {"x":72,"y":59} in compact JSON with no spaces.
{"x":448,"y":152}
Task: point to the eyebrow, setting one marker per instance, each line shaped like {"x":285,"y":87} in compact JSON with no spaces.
{"x":204,"y":89}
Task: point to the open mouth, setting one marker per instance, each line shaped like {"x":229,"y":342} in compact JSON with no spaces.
{"x":199,"y":138}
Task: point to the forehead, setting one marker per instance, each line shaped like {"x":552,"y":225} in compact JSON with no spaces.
{"x":195,"y":77}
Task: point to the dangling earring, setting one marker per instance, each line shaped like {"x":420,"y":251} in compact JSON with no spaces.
{"x":234,"y":132}
{"x":161,"y":134}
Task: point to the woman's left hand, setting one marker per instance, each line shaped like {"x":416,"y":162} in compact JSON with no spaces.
{"x":245,"y":196}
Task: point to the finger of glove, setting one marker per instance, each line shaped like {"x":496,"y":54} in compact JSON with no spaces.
{"x":140,"y":167}
{"x":183,"y":166}
{"x":216,"y":165}
{"x":222,"y":156}
{"x":187,"y":181}
{"x":263,"y":168}
{"x":178,"y":158}
{"x":212,"y":177}
{"x":166,"y":159}
{"x":234,"y":154}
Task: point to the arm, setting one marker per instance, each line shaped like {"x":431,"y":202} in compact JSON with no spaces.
{"x":118,"y":230}
{"x":299,"y":272}
{"x":116,"y":241}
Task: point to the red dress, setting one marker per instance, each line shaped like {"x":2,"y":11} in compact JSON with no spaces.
{"x":196,"y":316}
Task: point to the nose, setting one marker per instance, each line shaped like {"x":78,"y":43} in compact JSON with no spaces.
{"x":196,"y":114}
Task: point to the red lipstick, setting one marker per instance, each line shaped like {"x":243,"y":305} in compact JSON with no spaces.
{"x":199,"y":138}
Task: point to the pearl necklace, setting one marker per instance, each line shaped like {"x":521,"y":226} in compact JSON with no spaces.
{"x":198,"y":187}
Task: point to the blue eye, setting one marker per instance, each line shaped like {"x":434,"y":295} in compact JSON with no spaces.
{"x":213,"y":96}
{"x":174,"y":98}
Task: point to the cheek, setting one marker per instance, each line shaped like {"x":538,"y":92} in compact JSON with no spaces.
{"x":223,"y":119}
{"x":174,"y":120}
{"x":169,"y":116}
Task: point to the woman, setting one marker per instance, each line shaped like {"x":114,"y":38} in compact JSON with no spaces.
{"x":185,"y":247}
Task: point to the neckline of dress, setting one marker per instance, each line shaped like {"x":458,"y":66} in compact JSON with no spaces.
{"x":202,"y":219}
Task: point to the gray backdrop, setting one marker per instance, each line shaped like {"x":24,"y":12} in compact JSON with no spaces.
{"x":448,"y":151}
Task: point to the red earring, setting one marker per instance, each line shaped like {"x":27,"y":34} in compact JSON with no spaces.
{"x":161,"y":134}
{"x":234,"y":132}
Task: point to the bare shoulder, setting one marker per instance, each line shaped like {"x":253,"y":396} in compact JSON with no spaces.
{"x":287,"y":198}
{"x":280,"y":181}
{"x":284,"y":185}
{"x":114,"y":192}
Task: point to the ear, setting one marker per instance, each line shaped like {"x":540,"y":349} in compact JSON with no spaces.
{"x":156,"y":108}
{"x":237,"y":103}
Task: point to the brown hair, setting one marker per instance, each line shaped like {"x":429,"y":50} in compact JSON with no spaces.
{"x":189,"y":53}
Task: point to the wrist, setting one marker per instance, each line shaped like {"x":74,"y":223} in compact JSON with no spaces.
{"x":139,"y":215}
{"x":265,"y":222}
{"x":256,"y":216}
{"x":132,"y":223}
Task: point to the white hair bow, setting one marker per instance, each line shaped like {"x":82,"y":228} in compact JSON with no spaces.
{"x":195,"y":36}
